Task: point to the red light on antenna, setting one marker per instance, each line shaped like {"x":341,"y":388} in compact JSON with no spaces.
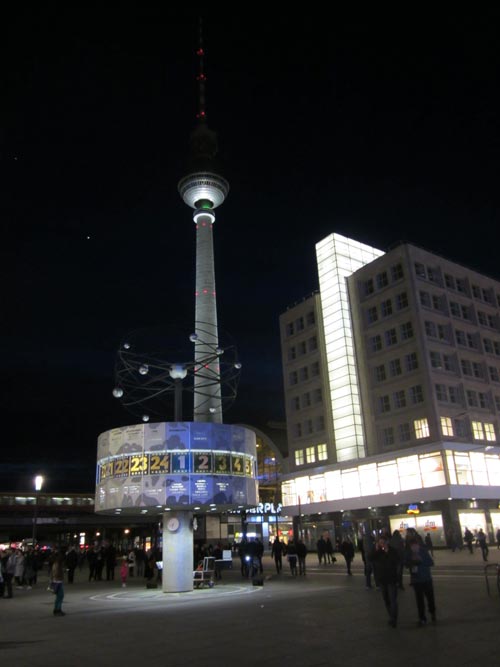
{"x":200,"y":52}
{"x":201,"y":77}
{"x":205,"y":291}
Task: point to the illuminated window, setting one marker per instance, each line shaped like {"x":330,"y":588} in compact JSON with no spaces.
{"x":322,"y":452}
{"x":421,"y":427}
{"x":489,"y":430}
{"x":477,"y":431}
{"x":447,"y":426}
{"x":299,"y":457}
{"x":310,"y":454}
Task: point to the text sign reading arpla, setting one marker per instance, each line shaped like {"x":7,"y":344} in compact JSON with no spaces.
{"x":266,"y":508}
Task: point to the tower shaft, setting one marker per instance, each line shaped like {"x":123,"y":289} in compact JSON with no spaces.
{"x":207,"y":392}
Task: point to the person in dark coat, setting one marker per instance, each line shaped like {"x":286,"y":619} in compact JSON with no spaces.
{"x":367,"y":549}
{"x":301,"y":555}
{"x":329,"y":551}
{"x":385,"y":561}
{"x":469,"y":539}
{"x":419,"y":562}
{"x":397,"y":543}
{"x":481,"y":541}
{"x":71,"y":561}
{"x":277,"y":553}
{"x":347,"y":550}
{"x":291,"y":554}
{"x":321,"y":548}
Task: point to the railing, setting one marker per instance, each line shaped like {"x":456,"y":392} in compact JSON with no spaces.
{"x":494,"y":568}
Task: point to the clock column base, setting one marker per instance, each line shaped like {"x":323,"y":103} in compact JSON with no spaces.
{"x":177,"y":574}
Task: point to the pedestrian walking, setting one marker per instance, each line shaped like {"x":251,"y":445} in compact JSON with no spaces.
{"x":419,"y":561}
{"x":291,"y":554}
{"x":347,"y":550}
{"x":321,"y":549}
{"x":277,"y":553}
{"x":397,"y":543}
{"x":481,"y":541}
{"x":468,"y":539}
{"x":57,"y":578}
{"x":301,"y":555}
{"x":124,"y":571}
{"x":385,"y":561}
{"x":428,"y":544}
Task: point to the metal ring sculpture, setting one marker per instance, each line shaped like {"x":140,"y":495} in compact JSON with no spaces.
{"x":149,"y":366}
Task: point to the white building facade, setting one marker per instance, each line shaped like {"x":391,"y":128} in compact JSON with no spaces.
{"x":409,"y":347}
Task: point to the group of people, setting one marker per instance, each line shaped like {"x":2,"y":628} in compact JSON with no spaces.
{"x":295,"y":552}
{"x":387,"y":557}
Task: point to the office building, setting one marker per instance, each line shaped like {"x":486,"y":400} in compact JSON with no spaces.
{"x":408,"y":358}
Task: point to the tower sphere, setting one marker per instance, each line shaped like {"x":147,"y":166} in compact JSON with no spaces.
{"x":201,"y":186}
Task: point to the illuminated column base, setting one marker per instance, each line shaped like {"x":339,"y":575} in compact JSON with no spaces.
{"x":177,"y":551}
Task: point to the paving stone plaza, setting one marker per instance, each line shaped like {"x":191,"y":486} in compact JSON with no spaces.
{"x":325,"y":618}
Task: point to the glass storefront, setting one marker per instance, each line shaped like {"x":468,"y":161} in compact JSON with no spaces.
{"x":426,"y":522}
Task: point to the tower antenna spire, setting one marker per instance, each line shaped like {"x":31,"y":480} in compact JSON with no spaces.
{"x":201,"y":76}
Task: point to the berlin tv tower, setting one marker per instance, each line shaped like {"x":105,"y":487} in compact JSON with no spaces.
{"x":203,"y":189}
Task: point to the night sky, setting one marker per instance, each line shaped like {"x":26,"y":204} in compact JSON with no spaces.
{"x":380,"y":126}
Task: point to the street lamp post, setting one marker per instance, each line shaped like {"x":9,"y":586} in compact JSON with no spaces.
{"x":38,"y":488}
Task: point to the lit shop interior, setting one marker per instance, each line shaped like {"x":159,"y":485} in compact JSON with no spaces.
{"x":436,"y":492}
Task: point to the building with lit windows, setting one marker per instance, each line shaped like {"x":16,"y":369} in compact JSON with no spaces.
{"x":408,"y":360}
